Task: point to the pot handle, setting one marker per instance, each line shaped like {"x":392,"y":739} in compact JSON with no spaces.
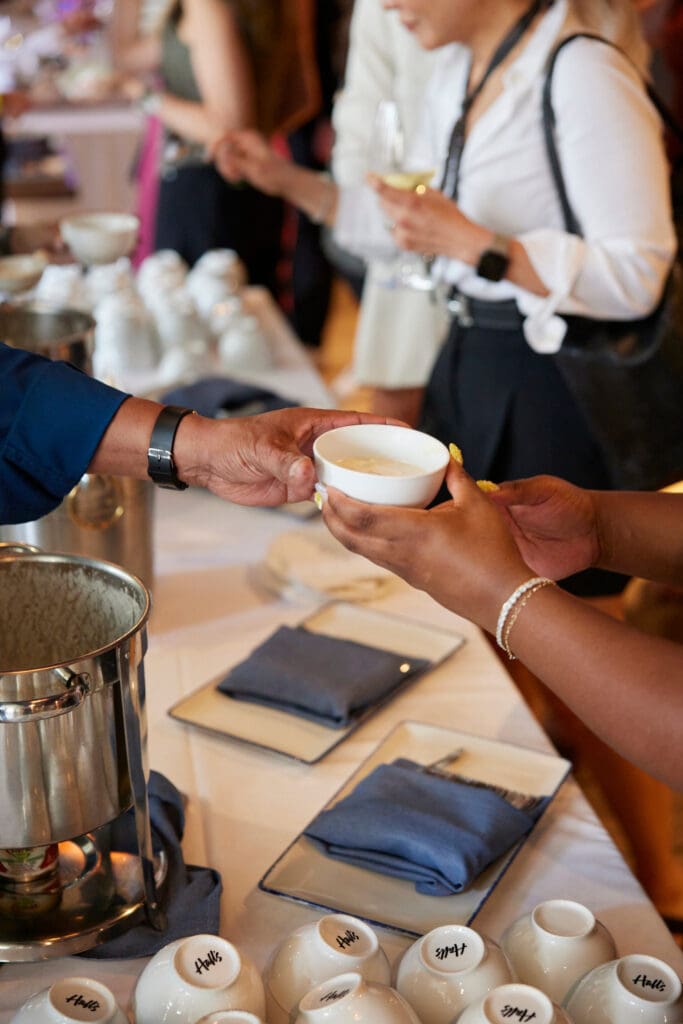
{"x":8,"y":548}
{"x":77,"y":689}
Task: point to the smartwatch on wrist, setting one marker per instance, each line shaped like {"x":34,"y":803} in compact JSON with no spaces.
{"x":495,"y":260}
{"x":160,"y":465}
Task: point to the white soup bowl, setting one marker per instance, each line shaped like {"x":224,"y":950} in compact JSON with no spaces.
{"x":514,"y":1002}
{"x":361,"y":461}
{"x":350,"y":999}
{"x":447,"y":969}
{"x":100,"y":237}
{"x":190,"y":978}
{"x":316,"y":952}
{"x":555,"y":945}
{"x":68,"y":1000}
{"x":634,"y":989}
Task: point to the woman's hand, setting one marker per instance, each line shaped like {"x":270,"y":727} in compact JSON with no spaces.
{"x":461,"y":552}
{"x":555,"y":524}
{"x":248,"y":156}
{"x":427,"y":221}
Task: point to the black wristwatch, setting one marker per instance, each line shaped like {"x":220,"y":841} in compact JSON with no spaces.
{"x":495,"y":260}
{"x":160,"y":465}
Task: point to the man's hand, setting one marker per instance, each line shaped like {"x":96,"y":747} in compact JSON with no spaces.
{"x":258,"y":460}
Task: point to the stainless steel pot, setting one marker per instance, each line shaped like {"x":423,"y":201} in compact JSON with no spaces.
{"x":72,"y":733}
{"x":103,"y":517}
{"x":66,"y":334}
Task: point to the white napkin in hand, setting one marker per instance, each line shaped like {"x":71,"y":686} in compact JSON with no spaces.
{"x":313,"y":559}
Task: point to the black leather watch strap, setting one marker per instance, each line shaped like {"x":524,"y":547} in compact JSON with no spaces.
{"x":160,"y":465}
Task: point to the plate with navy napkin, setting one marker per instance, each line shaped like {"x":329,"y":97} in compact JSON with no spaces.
{"x":407,"y":847}
{"x":302,"y":689}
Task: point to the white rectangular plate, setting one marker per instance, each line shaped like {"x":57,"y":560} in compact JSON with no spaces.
{"x":297,"y":737}
{"x":305,"y":874}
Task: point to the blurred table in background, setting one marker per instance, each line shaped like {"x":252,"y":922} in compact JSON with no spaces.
{"x":98,"y":144}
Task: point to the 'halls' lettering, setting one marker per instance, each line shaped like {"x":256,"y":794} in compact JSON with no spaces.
{"x":517,"y":1013}
{"x":87,"y":1004}
{"x":347,"y":939}
{"x":331,"y":997}
{"x":206,"y":963}
{"x":654,"y":983}
{"x":455,"y":950}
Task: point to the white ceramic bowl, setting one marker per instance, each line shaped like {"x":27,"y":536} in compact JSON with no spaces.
{"x":191,"y":978}
{"x":125,"y":336}
{"x":207,"y":291}
{"x":100,"y":237}
{"x":447,"y":969}
{"x":513,"y":1002}
{"x":634,"y":989}
{"x":350,"y":999}
{"x":19,"y":273}
{"x":243,"y":346}
{"x":105,"y":278}
{"x":161,"y":272}
{"x":335,"y":944}
{"x":230,"y":1017}
{"x":68,"y":1000}
{"x":223,"y":263}
{"x":371,"y":446}
{"x":63,"y":285}
{"x":555,"y":945}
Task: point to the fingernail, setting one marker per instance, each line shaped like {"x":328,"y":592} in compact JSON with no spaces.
{"x":456,"y":454}
{"x":320,"y":496}
{"x":487,"y":486}
{"x":295,"y":467}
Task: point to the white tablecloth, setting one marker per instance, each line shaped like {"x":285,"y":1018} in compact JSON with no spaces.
{"x":246,"y":805}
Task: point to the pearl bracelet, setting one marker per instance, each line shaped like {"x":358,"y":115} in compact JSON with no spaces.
{"x":511,"y":608}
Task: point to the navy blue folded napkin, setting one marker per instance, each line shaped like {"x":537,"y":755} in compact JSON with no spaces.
{"x":403,"y":821}
{"x":216,"y":396}
{"x":190,"y":896}
{"x":319,"y":677}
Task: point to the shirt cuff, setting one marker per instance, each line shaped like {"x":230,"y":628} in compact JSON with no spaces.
{"x":57,"y":427}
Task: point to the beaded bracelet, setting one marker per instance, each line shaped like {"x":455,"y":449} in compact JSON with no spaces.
{"x":511,"y":608}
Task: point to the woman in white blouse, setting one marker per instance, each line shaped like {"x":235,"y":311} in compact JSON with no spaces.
{"x":495,"y":388}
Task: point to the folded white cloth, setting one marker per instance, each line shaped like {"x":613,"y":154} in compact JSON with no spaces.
{"x":313,"y":560}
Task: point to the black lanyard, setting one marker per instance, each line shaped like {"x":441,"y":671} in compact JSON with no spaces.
{"x":456,"y":143}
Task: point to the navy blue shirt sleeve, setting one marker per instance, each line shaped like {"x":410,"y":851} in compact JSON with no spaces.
{"x":52,"y":417}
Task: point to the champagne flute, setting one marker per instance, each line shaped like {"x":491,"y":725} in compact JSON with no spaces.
{"x":386,"y":157}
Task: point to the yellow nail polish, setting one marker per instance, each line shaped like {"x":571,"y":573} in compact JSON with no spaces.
{"x":487,"y":486}
{"x":456,"y":454}
{"x":318,"y":501}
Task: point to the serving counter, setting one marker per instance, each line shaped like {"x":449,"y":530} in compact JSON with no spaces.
{"x":246,"y":805}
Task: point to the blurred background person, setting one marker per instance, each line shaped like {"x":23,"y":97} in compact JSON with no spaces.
{"x":209,"y":57}
{"x":494,"y":233}
{"x":399,"y":328}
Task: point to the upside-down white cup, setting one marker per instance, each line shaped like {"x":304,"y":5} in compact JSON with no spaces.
{"x":335,"y":944}
{"x":230,"y":1017}
{"x":635,"y":989}
{"x":447,"y":969}
{"x":350,"y":999}
{"x":514,"y":1002}
{"x":555,"y":945}
{"x":68,"y":1000}
{"x":191,"y":978}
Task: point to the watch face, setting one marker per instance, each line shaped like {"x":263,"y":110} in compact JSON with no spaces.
{"x":492,"y":265}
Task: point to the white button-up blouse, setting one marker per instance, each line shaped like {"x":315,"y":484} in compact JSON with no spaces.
{"x":610,"y":145}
